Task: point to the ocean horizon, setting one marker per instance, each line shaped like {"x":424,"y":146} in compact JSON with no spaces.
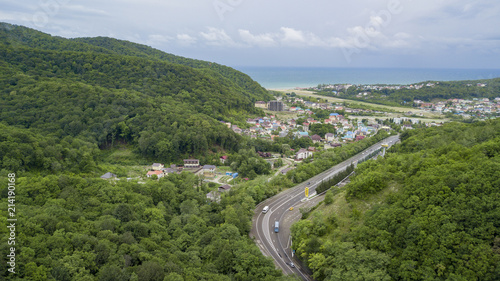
{"x":305,"y":77}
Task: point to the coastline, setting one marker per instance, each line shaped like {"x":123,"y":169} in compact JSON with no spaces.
{"x":290,"y":78}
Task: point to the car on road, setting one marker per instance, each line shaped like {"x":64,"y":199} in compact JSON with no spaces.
{"x":266,"y":208}
{"x":292,"y":265}
{"x":291,"y":209}
{"x":276,"y":226}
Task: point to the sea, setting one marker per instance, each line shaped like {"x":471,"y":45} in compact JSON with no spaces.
{"x":305,"y":77}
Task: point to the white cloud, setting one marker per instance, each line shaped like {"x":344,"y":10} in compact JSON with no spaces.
{"x":298,"y":38}
{"x":186,"y":39}
{"x":292,"y":36}
{"x":261,"y":40}
{"x":84,"y":10}
{"x":285,"y":37}
{"x":10,"y":17}
{"x":156,"y":39}
{"x":442,"y":28}
{"x":218,"y":37}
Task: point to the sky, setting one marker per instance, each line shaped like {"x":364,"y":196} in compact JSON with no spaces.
{"x":296,"y":33}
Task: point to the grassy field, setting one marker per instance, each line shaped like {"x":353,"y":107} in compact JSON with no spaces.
{"x":394,"y":115}
{"x":397,"y":109}
{"x":282,"y":115}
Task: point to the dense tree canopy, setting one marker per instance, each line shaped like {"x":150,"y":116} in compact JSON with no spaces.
{"x":439,"y":218}
{"x":108,"y":91}
{"x":62,"y":103}
{"x":74,"y":228}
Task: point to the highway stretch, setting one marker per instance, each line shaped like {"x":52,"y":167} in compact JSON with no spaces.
{"x":278,"y":245}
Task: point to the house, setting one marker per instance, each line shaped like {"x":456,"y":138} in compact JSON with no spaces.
{"x":349,"y":135}
{"x":283,"y":134}
{"x":224,"y":188}
{"x":311,"y":148}
{"x":359,"y":137}
{"x":264,"y":154}
{"x":305,"y":126}
{"x":108,"y":176}
{"x":252,"y":121}
{"x":159,"y":174}
{"x":191,"y":163}
{"x":167,"y":171}
{"x":303,"y":154}
{"x":214,"y":196}
{"x":261,"y":104}
{"x":329,"y":137}
{"x":209,"y":171}
{"x":316,"y":138}
{"x":157,"y":166}
{"x":223,"y":159}
{"x":407,"y":127}
{"x":228,"y":124}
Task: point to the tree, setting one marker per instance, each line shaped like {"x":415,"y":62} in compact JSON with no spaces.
{"x":150,"y":271}
{"x":329,"y":197}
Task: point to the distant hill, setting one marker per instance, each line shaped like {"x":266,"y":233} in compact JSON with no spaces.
{"x":105,"y":91}
{"x":426,"y":91}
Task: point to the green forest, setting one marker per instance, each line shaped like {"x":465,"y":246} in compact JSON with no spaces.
{"x":65,"y":106}
{"x":73,"y":109}
{"x":108,"y":91}
{"x":76,"y":228}
{"x":429,"y":210}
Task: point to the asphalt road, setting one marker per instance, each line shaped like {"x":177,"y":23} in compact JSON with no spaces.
{"x":278,"y":245}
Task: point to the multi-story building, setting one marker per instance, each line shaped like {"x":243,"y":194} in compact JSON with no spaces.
{"x":275,"y":105}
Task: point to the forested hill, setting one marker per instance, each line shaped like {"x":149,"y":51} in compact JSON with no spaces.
{"x":133,"y":49}
{"x":429,"y":210}
{"x":22,"y":36}
{"x":121,"y":92}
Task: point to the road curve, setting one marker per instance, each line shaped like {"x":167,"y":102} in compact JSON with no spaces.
{"x":278,"y":245}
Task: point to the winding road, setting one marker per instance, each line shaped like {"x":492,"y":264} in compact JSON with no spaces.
{"x":278,"y":245}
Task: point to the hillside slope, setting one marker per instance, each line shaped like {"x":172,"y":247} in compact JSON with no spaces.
{"x":21,"y":36}
{"x":66,"y":87}
{"x":428,"y":211}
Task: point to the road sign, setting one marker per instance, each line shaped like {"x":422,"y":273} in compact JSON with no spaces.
{"x":307,"y":191}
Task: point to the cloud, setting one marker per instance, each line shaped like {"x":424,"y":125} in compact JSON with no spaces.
{"x":262,"y":40}
{"x":299,"y":38}
{"x":285,"y":37}
{"x":186,"y":39}
{"x":292,"y":36}
{"x":158,"y":39}
{"x":85,"y":10}
{"x":218,"y":37}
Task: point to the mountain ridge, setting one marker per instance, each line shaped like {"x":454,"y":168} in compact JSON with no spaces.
{"x":166,"y":110}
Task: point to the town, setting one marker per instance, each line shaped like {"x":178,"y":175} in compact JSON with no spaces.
{"x":481,"y":108}
{"x":324,"y":125}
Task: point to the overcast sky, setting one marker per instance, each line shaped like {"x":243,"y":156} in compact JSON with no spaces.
{"x":323,"y":33}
